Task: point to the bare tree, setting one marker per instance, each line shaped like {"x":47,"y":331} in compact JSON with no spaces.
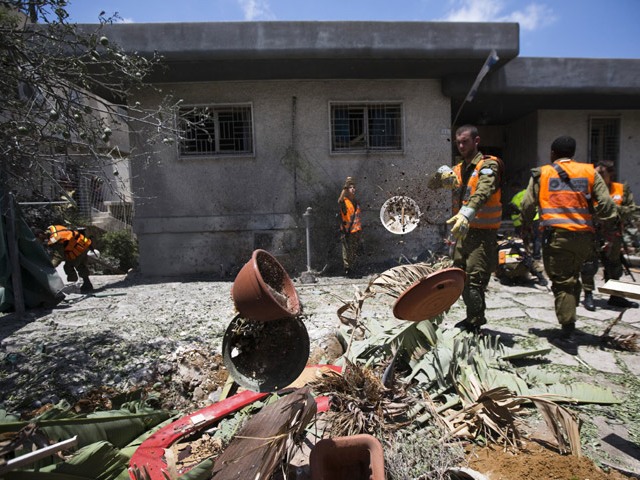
{"x":64,"y":95}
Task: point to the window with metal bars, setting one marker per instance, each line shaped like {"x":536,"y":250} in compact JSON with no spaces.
{"x":216,"y":130}
{"x":604,"y":139}
{"x":357,"y":127}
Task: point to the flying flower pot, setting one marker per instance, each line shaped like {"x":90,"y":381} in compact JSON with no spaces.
{"x":263,"y":291}
{"x":265,"y":356}
{"x":357,"y":457}
{"x":430,"y":296}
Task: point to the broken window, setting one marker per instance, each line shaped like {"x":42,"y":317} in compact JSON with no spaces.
{"x":604,"y":139}
{"x":216,"y":130}
{"x":366,"y":127}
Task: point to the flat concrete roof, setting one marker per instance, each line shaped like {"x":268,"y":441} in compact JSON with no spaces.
{"x":451,"y":52}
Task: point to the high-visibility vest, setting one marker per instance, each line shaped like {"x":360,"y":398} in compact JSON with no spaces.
{"x":562,"y":206}
{"x":75,"y":243}
{"x":516,"y":200}
{"x":616,"y":191}
{"x":490,"y":214}
{"x":351,"y":218}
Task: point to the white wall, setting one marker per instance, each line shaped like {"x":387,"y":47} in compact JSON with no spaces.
{"x":208,"y":214}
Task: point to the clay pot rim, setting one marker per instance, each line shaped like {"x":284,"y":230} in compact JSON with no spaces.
{"x":407,"y":300}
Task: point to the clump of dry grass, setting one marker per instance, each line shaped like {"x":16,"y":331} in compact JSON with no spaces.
{"x":360,"y":403}
{"x":420,"y":454}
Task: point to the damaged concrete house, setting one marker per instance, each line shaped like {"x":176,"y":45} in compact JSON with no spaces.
{"x":295,"y":107}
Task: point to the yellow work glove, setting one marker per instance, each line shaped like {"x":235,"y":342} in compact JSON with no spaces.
{"x":448,"y":178}
{"x":460,"y":226}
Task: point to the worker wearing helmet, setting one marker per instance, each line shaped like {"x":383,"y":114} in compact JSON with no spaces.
{"x":72,"y":247}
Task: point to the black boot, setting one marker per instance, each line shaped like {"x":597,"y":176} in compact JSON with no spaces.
{"x":617,"y":301}
{"x":542,"y":281}
{"x":86,"y":286}
{"x":588,"y":301}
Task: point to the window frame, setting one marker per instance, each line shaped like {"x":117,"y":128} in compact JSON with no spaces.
{"x":217,"y":108}
{"x":368,"y":146}
{"x":595,"y":156}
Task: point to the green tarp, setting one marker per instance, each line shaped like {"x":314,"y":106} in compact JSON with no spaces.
{"x":42,"y":286}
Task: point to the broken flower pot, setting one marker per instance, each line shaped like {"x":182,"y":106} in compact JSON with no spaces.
{"x":263,"y":290}
{"x":265,"y":356}
{"x":357,"y":457}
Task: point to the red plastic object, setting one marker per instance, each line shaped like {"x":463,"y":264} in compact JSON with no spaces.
{"x":263,"y":290}
{"x":430,"y":296}
{"x":358,"y":457}
{"x":150,"y":454}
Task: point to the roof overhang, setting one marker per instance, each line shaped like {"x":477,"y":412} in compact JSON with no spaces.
{"x":451,"y":52}
{"x":200,"y":52}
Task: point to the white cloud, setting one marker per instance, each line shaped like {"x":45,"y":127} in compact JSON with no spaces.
{"x":532,"y":17}
{"x":256,"y":10}
{"x":127,"y":20}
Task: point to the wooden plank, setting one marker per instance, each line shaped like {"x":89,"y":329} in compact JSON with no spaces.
{"x":260,"y":446}
{"x":621,"y":289}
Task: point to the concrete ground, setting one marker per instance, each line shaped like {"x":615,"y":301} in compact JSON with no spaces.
{"x":131,"y":324}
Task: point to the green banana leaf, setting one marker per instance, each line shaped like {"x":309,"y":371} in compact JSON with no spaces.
{"x":99,"y":461}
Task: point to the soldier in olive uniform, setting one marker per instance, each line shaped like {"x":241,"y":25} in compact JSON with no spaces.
{"x":478,"y":212}
{"x":567,"y":194}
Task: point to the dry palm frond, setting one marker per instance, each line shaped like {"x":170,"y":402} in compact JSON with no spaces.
{"x":628,"y":342}
{"x":360,"y":403}
{"x":395,"y":281}
{"x":564,"y":425}
{"x":493,"y":416}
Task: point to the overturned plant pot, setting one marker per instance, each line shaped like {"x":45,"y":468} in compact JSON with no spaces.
{"x":265,"y":356}
{"x":263,"y":290}
{"x":430,"y":296}
{"x":357,"y":457}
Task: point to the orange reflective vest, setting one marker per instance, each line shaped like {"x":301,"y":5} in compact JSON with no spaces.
{"x":616,"y":191}
{"x":350,"y":215}
{"x":490,"y":214}
{"x":563,"y":205}
{"x":75,"y":244}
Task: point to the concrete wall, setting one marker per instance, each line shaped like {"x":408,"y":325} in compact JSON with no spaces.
{"x":206,"y":215}
{"x":553,"y":123}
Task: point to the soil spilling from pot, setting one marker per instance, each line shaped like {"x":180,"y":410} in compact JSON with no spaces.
{"x":265,"y":356}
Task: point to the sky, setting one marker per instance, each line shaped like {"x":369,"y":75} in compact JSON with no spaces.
{"x":548,"y":28}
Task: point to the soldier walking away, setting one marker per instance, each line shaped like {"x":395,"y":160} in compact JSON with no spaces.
{"x":477,"y":212}
{"x":612,"y":250}
{"x":567,"y":194}
{"x":72,"y":247}
{"x":350,"y":226}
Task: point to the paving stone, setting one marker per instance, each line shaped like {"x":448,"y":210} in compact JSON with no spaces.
{"x":504,"y":313}
{"x":630,"y":359}
{"x":601,"y":360}
{"x":547,"y":315}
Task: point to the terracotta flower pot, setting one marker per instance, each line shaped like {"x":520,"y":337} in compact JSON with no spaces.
{"x":430,"y":296}
{"x":358,"y":457}
{"x":263,"y":291}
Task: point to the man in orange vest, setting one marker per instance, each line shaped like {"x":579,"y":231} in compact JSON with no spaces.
{"x":350,"y":226}
{"x":72,"y":247}
{"x":478,"y":211}
{"x":611,"y":253}
{"x":567,"y":194}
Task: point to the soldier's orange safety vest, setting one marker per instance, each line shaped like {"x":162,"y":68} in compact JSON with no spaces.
{"x":351,"y":218}
{"x":562,"y":206}
{"x":490,"y":214}
{"x":76,"y":243}
{"x":616,"y":191}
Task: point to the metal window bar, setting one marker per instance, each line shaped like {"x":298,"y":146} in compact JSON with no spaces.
{"x":216,"y":130}
{"x":365,"y":127}
{"x":604,"y":139}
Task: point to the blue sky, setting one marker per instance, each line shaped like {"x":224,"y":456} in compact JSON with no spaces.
{"x":548,"y":28}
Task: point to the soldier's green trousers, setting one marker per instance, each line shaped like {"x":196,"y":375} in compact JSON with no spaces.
{"x":477,"y":255}
{"x":564,"y":253}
